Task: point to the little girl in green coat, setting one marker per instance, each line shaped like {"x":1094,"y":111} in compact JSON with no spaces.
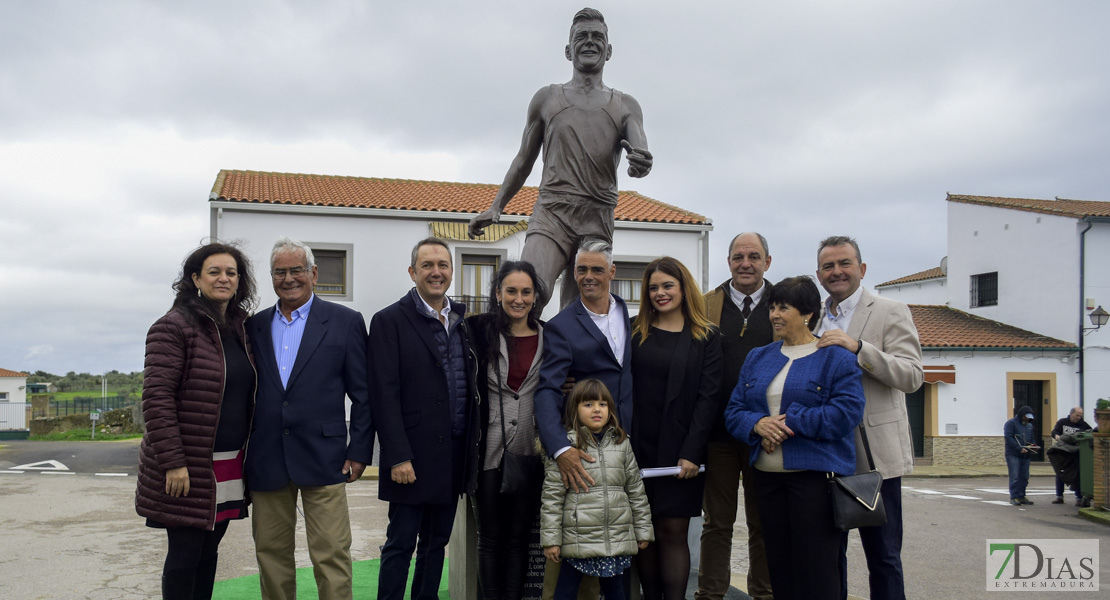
{"x":599,"y":530}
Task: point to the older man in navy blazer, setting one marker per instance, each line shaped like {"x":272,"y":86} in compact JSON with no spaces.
{"x":423,"y":375}
{"x":310,"y":355}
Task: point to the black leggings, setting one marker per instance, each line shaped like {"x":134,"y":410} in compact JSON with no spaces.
{"x":504,"y":527}
{"x":664,"y":566}
{"x":190,"y":568}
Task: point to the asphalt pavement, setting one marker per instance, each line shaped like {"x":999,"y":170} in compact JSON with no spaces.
{"x":73,"y":533}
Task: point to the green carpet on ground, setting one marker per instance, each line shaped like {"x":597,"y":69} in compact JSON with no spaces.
{"x":365,"y":584}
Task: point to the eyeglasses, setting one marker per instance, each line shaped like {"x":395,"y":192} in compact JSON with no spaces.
{"x":295,"y":272}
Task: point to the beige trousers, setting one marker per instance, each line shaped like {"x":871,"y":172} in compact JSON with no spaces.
{"x":328,"y":526}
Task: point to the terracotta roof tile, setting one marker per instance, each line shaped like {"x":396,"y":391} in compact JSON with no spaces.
{"x":7,"y":373}
{"x":409,"y":194}
{"x":933,"y":273}
{"x":944,"y":327}
{"x":1059,"y":206}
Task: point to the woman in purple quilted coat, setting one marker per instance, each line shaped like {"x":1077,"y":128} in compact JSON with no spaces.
{"x":198,"y":397}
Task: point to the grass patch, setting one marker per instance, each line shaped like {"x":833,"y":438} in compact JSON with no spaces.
{"x":69,"y":396}
{"x":83,"y":435}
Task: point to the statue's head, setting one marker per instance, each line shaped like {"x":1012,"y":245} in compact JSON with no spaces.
{"x":589,"y":45}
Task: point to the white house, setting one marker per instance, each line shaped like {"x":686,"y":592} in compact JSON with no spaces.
{"x":362,"y":230}
{"x":13,"y":398}
{"x":1004,"y":321}
{"x":13,"y":386}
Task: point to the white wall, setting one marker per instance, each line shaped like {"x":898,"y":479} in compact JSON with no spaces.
{"x":1037,"y":260}
{"x":382,"y":246}
{"x":15,"y":387}
{"x":1097,"y":286}
{"x":930,"y":291}
{"x":978,"y":402}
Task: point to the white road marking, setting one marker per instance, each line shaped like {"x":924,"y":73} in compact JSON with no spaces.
{"x":42,"y":465}
{"x":929,"y":492}
{"x":998,"y":502}
{"x":58,"y":473}
{"x":962,"y":497}
{"x":111,"y":474}
{"x":1028,"y":491}
{"x":12,"y":472}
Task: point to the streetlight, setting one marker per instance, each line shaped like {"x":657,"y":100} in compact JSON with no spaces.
{"x":1098,"y":316}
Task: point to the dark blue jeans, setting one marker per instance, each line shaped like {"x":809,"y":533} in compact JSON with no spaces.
{"x":425,"y":529}
{"x":1060,"y":488}
{"x":1019,"y":475}
{"x":882,"y":546}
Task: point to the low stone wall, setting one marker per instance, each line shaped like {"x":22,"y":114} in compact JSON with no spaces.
{"x":120,"y":420}
{"x":48,"y":425}
{"x":966,"y":451}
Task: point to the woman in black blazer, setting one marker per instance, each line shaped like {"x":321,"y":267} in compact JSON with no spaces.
{"x":676,"y":368}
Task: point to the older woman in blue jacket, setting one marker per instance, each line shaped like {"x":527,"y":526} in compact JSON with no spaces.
{"x":797,"y":405}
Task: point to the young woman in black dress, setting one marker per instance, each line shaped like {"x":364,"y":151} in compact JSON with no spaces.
{"x":676,"y":368}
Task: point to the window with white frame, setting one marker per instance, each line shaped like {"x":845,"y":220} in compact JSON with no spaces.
{"x":984,"y":289}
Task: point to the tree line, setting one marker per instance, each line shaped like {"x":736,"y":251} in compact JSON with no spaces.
{"x":81,"y":382}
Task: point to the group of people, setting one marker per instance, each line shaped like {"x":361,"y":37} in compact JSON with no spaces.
{"x":1021,"y":446}
{"x":752,"y":380}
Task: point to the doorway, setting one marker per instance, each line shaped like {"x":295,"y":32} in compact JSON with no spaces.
{"x":1031,"y":393}
{"x":915,"y":408}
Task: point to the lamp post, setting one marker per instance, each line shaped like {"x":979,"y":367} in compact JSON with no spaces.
{"x":1098,"y":317}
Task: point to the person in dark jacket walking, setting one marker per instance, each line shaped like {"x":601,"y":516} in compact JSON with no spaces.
{"x":1020,"y":448}
{"x":422,"y":378}
{"x":198,"y":398}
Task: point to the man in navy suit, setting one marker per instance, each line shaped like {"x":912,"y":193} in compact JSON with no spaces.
{"x":310,"y":355}
{"x":423,"y":374}
{"x":588,"y":339}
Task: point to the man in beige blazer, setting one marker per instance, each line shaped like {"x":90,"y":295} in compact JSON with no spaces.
{"x":880,"y":331}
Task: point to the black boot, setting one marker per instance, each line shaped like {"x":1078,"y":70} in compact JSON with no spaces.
{"x":177,"y":584}
{"x":205,"y":578}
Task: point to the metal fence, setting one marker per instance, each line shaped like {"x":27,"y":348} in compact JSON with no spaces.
{"x":81,"y":404}
{"x":13,"y":415}
{"x":474,"y":304}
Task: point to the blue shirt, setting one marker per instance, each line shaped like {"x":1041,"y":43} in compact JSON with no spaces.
{"x":287,"y":336}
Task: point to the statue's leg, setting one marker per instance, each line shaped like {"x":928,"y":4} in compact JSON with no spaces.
{"x":550,"y":258}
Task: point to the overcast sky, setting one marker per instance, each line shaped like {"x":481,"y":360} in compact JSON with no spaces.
{"x":796,"y":119}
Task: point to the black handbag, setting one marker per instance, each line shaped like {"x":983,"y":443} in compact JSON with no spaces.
{"x":855,"y":498}
{"x":519,"y":472}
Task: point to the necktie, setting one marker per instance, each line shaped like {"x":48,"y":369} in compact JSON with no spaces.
{"x":747,"y":309}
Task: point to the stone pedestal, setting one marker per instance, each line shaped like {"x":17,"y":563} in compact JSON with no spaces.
{"x":462,"y":554}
